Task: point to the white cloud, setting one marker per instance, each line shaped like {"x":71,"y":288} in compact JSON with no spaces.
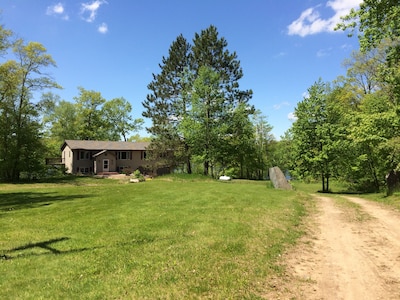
{"x":292,"y":117}
{"x":280,"y":105}
{"x":57,"y":10}
{"x":324,"y":52}
{"x":103,"y":28}
{"x":89,"y":10}
{"x":280,"y":54}
{"x":310,"y":21}
{"x":346,"y":47}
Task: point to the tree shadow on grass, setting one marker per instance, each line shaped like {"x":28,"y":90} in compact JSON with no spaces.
{"x":15,"y":201}
{"x":64,"y":179}
{"x":44,"y":245}
{"x":344,"y":192}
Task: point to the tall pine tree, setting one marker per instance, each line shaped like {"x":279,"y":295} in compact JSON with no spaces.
{"x":170,"y":100}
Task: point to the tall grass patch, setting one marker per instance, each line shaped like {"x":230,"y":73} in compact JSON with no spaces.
{"x":163,"y":239}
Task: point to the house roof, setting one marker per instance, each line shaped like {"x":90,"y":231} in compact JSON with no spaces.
{"x":104,"y":145}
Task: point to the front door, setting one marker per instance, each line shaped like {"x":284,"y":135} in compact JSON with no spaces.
{"x":106,"y":165}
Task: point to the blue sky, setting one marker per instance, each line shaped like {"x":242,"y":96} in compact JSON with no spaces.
{"x":114,"y":46}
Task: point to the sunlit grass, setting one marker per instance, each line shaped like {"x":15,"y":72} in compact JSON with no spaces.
{"x":338,"y":187}
{"x":393,"y":200}
{"x":316,"y":186}
{"x":169,"y":238}
{"x":352,"y":211}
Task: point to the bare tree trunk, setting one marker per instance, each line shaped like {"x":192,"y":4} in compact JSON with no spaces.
{"x":327,"y":182}
{"x":188,"y":163}
{"x":206,"y":166}
{"x":188,"y":166}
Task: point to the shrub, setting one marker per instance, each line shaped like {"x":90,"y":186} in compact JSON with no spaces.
{"x":138,"y":175}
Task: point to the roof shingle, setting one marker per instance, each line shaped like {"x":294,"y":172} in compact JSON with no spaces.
{"x":105,"y":145}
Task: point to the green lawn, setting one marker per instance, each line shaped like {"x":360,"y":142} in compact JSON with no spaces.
{"x":341,"y":188}
{"x":169,"y":238}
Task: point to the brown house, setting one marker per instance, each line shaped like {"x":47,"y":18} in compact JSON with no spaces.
{"x":101,"y":157}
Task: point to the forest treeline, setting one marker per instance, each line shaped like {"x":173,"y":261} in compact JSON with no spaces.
{"x":347,"y":129}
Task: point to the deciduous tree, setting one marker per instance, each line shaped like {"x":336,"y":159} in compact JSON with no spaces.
{"x":314,"y":134}
{"x":20,"y":142}
{"x":117,"y":114}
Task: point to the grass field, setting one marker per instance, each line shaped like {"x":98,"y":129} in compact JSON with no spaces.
{"x":169,"y":238}
{"x":340,"y":188}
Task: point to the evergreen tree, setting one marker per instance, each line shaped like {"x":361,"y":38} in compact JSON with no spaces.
{"x":172,"y":100}
{"x":166,"y":105}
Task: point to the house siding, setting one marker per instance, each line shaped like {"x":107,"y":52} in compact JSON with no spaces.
{"x":78,"y":156}
{"x":68,"y":157}
{"x":110,"y":155}
{"x":82,"y":162}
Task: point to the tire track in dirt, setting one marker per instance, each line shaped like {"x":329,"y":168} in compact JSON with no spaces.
{"x":342,"y":258}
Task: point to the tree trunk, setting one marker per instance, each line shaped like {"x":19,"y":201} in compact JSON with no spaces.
{"x":206,"y":166}
{"x":327,"y":182}
{"x":375,"y":176}
{"x":188,"y":166}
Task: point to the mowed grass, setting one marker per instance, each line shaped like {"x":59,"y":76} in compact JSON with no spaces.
{"x":169,"y":238}
{"x":341,"y":188}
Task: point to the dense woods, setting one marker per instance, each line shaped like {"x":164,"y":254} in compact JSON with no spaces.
{"x":347,"y":129}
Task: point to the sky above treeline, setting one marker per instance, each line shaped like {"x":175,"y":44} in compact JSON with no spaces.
{"x":114,"y":47}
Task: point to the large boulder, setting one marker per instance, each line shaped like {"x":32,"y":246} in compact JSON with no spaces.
{"x":278,"y":179}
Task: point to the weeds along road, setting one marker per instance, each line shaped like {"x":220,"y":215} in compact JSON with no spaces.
{"x":351,"y":251}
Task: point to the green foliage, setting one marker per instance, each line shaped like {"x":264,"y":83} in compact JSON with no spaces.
{"x":204,"y":126}
{"x":116,"y":113}
{"x":372,"y":128}
{"x":90,"y":117}
{"x":367,"y":111}
{"x":138,"y":175}
{"x":378,"y":27}
{"x":231,"y":172}
{"x":166,"y":105}
{"x":61,"y":120}
{"x":197,"y":108}
{"x":315,"y":134}
{"x":375,"y":21}
{"x":21,"y":147}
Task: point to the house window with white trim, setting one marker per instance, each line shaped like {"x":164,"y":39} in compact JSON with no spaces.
{"x":124,"y":155}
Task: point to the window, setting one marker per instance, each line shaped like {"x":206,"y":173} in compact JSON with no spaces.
{"x":143,"y":155}
{"x":84,"y":155}
{"x":123,"y":155}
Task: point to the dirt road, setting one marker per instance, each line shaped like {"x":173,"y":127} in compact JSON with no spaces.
{"x":352,"y":251}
